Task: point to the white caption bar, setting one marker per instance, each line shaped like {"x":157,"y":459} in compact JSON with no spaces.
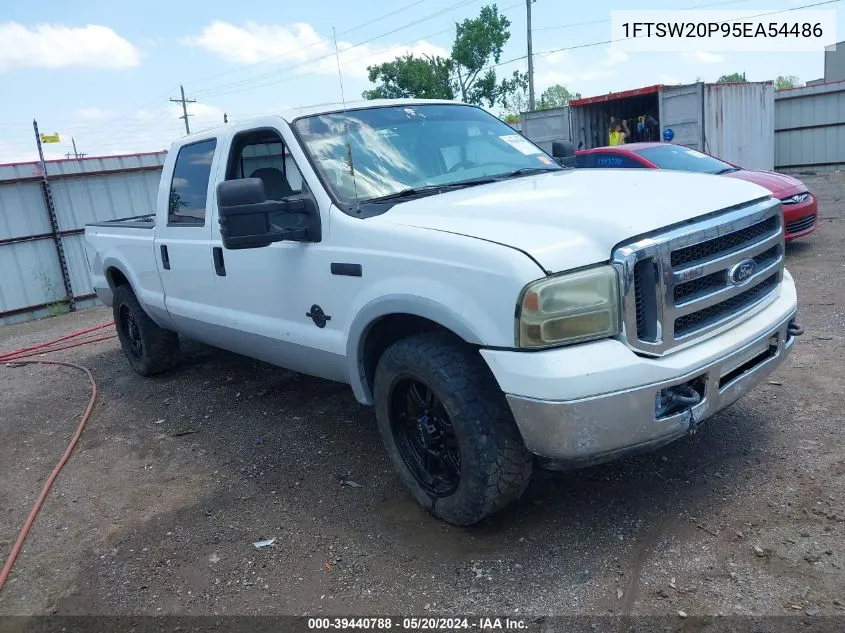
{"x":759,"y":30}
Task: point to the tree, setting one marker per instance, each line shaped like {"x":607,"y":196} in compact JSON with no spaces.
{"x":467,"y":73}
{"x":732,"y":78}
{"x":408,"y":76}
{"x":556,"y":96}
{"x":787,"y":82}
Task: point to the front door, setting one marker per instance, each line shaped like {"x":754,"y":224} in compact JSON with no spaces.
{"x":264,"y":294}
{"x":182,"y":248}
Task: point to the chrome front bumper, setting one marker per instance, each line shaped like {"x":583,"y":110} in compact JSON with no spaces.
{"x":580,"y":432}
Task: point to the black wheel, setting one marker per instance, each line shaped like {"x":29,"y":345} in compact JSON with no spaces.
{"x":448,"y":429}
{"x":149,"y":348}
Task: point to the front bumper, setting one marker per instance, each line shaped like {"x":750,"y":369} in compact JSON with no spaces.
{"x":578,"y":431}
{"x":800,"y":219}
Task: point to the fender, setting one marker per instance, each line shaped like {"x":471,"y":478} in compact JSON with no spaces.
{"x":155,"y":309}
{"x":396,"y":304}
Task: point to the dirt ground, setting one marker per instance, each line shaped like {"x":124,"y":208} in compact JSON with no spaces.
{"x":177,"y":476}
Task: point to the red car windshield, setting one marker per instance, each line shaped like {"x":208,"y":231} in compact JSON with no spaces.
{"x":680,"y":158}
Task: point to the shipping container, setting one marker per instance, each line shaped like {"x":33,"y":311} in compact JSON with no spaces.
{"x":810,"y":127}
{"x":732,"y":121}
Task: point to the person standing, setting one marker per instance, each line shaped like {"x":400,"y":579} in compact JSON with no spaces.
{"x":619,"y":132}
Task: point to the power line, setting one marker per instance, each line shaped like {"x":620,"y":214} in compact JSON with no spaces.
{"x":224,"y":88}
{"x":620,"y":39}
{"x":244,"y":84}
{"x":312,"y":45}
{"x":605,"y":20}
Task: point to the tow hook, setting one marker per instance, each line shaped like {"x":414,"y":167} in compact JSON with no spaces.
{"x":794,"y":329}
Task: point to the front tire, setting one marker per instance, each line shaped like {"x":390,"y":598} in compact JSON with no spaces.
{"x":448,"y":429}
{"x":149,"y":348}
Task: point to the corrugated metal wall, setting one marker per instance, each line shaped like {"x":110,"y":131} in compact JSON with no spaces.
{"x":739,"y":123}
{"x":810,"y":127}
{"x":87,"y":190}
{"x":545,"y":126}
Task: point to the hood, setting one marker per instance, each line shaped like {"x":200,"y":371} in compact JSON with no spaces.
{"x":571,"y":218}
{"x":776,"y":183}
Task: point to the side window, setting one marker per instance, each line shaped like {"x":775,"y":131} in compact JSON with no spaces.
{"x":189,"y":187}
{"x":261,"y":154}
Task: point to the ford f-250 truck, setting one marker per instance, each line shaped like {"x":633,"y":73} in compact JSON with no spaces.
{"x":497,"y":310}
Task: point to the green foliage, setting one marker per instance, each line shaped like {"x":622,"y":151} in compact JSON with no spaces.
{"x":409,"y":76}
{"x":732,"y":78}
{"x":465,"y":74}
{"x":785,"y":82}
{"x":556,"y":96}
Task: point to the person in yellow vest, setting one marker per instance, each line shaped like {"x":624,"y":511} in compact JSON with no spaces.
{"x":618,"y":132}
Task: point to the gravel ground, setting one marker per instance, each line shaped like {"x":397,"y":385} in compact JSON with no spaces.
{"x":176,"y":477}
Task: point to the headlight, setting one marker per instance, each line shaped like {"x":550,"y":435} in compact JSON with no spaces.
{"x":569,"y":308}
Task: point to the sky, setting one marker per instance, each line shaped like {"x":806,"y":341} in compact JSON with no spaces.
{"x":103,"y":72}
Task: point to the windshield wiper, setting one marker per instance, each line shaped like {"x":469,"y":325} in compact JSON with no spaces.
{"x":525,"y":171}
{"x":431,"y":189}
{"x":727,"y":170}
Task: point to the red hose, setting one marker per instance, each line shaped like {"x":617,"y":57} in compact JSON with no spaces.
{"x":58,"y":340}
{"x":32,"y":351}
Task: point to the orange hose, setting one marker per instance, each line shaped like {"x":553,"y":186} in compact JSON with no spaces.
{"x":58,"y":340}
{"x":36,"y":352}
{"x":14,"y":357}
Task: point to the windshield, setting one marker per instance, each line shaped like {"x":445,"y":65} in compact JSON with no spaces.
{"x":397,"y":148}
{"x":680,"y":158}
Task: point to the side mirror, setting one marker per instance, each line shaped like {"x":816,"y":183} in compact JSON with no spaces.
{"x":249,"y":220}
{"x":564,"y":153}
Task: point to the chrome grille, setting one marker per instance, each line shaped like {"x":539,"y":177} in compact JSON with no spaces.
{"x":686,"y":283}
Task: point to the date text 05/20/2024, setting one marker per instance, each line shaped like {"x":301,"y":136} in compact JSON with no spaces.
{"x":418,"y":624}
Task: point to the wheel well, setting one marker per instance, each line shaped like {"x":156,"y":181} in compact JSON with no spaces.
{"x":386,"y":331}
{"x":116,"y":278}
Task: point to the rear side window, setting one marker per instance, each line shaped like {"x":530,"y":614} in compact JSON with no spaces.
{"x":189,"y":187}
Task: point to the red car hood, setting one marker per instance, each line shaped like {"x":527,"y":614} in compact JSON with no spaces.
{"x":776,"y":183}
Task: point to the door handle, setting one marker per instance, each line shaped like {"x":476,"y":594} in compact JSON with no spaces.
{"x":219,"y":264}
{"x":165,"y":260}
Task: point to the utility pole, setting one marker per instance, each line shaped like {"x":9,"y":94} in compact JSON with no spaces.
{"x":75,"y":153}
{"x":184,"y":103}
{"x":530,"y":59}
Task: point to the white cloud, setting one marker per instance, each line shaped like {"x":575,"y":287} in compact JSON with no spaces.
{"x":58,"y":46}
{"x":298,"y":44}
{"x":668,"y":79}
{"x":703,"y":57}
{"x":93,"y":114}
{"x":558,"y":57}
{"x":257,"y":42}
{"x":614,"y":56}
{"x":143,"y":115}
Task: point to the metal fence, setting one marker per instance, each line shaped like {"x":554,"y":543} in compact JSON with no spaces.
{"x":810,"y":127}
{"x":43,"y":268}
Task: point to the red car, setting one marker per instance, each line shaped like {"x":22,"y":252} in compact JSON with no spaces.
{"x":800,"y":207}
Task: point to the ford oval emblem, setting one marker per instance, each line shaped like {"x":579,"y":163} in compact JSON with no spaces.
{"x":742,"y":272}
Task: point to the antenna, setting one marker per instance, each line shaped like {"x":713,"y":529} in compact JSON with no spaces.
{"x":346,"y":122}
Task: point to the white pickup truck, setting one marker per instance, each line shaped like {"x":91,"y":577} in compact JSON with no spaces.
{"x":497,"y":310}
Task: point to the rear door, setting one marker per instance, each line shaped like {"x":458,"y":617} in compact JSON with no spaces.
{"x":682,"y":111}
{"x":182,"y":245}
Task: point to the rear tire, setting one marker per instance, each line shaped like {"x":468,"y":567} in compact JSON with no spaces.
{"x":460,"y":453}
{"x":150,"y":349}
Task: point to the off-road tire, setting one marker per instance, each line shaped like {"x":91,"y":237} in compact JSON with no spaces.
{"x":495,"y":466}
{"x":159,"y":347}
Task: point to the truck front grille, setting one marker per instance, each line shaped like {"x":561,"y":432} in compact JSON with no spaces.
{"x":683,"y":284}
